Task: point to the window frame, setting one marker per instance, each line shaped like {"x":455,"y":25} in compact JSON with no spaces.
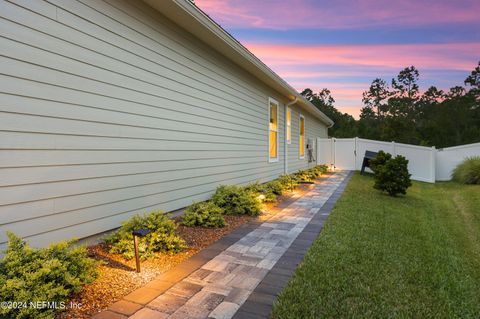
{"x":288,"y":120}
{"x":275,"y":102}
{"x":300,"y":135}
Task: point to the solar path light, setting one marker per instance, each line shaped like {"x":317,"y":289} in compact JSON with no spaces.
{"x":139,"y":233}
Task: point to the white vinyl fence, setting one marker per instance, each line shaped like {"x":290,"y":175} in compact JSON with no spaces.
{"x":426,"y":164}
{"x":449,"y":158}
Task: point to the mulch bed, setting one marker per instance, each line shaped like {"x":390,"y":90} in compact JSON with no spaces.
{"x":117,"y":276}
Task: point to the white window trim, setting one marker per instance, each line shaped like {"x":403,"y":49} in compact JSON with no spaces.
{"x":288,"y":126}
{"x":299,"y":134}
{"x":270,"y":102}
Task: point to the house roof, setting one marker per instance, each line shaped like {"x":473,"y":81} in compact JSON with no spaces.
{"x":190,"y":17}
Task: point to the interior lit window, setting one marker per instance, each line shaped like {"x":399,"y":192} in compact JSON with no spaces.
{"x":273,"y":131}
{"x":289,"y":126}
{"x":302,"y":137}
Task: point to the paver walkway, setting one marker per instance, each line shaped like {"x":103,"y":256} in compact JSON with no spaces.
{"x":219,"y":287}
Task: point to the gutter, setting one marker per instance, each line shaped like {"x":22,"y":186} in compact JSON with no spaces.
{"x":285,"y":155}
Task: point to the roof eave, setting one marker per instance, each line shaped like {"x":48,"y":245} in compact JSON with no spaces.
{"x":189,"y":17}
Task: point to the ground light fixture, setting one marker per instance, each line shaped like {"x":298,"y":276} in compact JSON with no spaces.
{"x":139,"y":233}
{"x":261,"y":197}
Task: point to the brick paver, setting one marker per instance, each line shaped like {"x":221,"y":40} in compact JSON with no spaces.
{"x":220,"y":286}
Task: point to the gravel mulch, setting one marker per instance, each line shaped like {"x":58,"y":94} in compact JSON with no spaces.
{"x":117,"y":276}
{"x":198,"y":237}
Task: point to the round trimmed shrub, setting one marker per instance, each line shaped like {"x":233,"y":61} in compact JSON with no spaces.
{"x":236,"y":200}
{"x":391,"y":174}
{"x":275,"y":187}
{"x":50,"y":274}
{"x":380,"y":160}
{"x":262,"y":189}
{"x":162,"y":236}
{"x":204,"y":214}
{"x":288,"y":182}
{"x":468,"y":171}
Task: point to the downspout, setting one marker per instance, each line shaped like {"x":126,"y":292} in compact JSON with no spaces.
{"x":285,"y":155}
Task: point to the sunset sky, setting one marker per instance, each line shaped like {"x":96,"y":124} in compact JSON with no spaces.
{"x":343,"y":45}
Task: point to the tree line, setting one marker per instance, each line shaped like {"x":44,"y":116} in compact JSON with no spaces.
{"x":397,"y":111}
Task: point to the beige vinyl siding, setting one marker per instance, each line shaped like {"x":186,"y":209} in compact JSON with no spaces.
{"x":313,"y":129}
{"x":108,"y":109}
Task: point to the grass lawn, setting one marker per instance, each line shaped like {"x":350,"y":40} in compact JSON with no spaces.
{"x":416,"y":256}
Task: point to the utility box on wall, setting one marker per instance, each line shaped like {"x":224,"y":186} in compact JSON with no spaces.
{"x":311,"y":149}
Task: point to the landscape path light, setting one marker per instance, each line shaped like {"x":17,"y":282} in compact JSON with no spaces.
{"x":139,"y":233}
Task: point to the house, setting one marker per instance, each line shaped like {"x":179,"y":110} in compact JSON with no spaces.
{"x":114,"y":107}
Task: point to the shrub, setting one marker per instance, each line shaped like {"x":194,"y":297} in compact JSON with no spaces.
{"x":204,"y":214}
{"x":236,"y":200}
{"x":319,"y":170}
{"x":255,"y":187}
{"x":304,"y":176}
{"x":468,"y":171}
{"x":275,"y":187}
{"x":269,"y":196}
{"x":322,"y":168}
{"x":288,"y":182}
{"x":312,"y":173}
{"x":162,"y":236}
{"x":48,"y":274}
{"x":285,"y":181}
{"x":379,"y":160}
{"x":391,"y":174}
{"x":262,"y":189}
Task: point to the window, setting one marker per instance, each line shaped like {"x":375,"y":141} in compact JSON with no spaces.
{"x":302,"y":137}
{"x":289,"y":126}
{"x":273,"y":131}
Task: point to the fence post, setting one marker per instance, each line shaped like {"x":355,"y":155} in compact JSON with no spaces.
{"x":355,"y":147}
{"x":333,"y":152}
{"x":433,"y":165}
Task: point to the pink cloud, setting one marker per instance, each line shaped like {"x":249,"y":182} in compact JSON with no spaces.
{"x":292,"y":74}
{"x":456,"y":56}
{"x":274,"y":14}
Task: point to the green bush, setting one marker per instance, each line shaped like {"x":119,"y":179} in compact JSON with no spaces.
{"x":236,"y":200}
{"x":323,"y":168}
{"x":379,"y":160}
{"x":204,"y":214}
{"x":289,"y":182}
{"x":391,"y":174}
{"x":162,"y":236}
{"x":468,"y":171}
{"x":275,"y":187}
{"x":255,"y":187}
{"x":262,"y":189}
{"x":48,"y":274}
{"x":319,"y":170}
{"x":304,"y":176}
